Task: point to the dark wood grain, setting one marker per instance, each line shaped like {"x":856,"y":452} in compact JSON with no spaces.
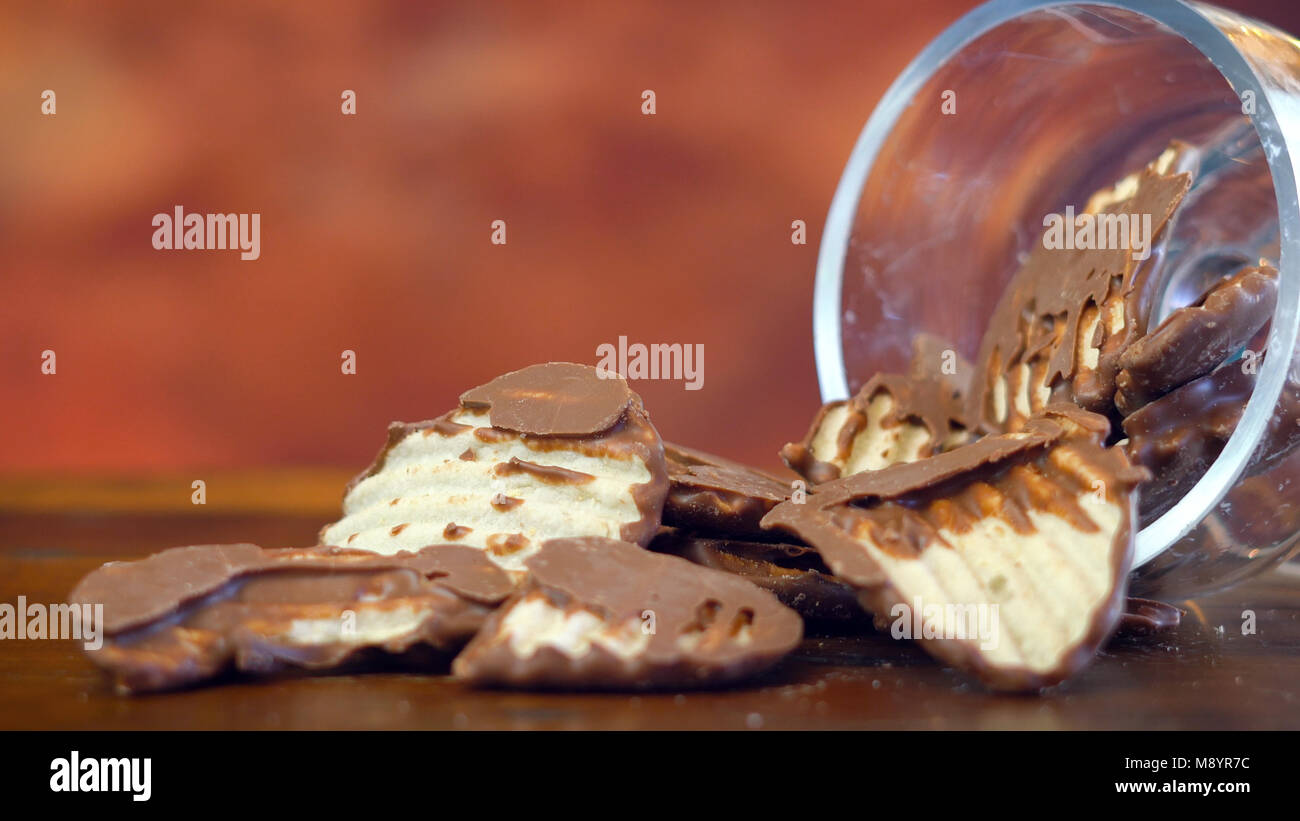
{"x":1206,"y":675}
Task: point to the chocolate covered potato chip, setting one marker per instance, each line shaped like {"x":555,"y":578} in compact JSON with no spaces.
{"x":550,"y":451}
{"x":893,"y":419}
{"x":1031,"y":532}
{"x":190,"y":613}
{"x":715,"y":495}
{"x":603,"y":614}
{"x":1073,"y":308}
{"x":1198,"y":338}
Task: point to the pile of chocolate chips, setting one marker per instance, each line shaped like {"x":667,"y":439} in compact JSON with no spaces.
{"x":543,"y":535}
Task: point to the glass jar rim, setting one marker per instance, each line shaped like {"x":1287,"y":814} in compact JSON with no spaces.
{"x":1185,"y":20}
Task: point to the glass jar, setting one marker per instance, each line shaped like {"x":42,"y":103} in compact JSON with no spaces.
{"x":1023,"y":107}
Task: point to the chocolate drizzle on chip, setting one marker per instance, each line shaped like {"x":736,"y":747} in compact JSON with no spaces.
{"x":1069,"y":313}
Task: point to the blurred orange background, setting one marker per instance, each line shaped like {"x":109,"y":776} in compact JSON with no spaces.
{"x":376,"y":227}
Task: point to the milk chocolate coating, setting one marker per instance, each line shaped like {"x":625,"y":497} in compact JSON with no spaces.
{"x":189,"y":613}
{"x":139,"y":592}
{"x":1143,"y":617}
{"x":716,"y":495}
{"x":709,"y":627}
{"x":1038,"y":320}
{"x":556,"y":406}
{"x":1178,"y":436}
{"x":799,"y":456}
{"x":681,"y":456}
{"x":1196,"y":339}
{"x":927,"y":396}
{"x":940,"y":477}
{"x":553,"y":399}
{"x":902,"y":479}
{"x":795,"y":573}
{"x":905,"y":506}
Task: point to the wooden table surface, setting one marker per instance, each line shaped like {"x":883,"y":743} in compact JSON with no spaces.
{"x":1207,"y":675}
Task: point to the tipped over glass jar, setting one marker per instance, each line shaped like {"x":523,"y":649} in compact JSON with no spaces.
{"x":1020,"y":111}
